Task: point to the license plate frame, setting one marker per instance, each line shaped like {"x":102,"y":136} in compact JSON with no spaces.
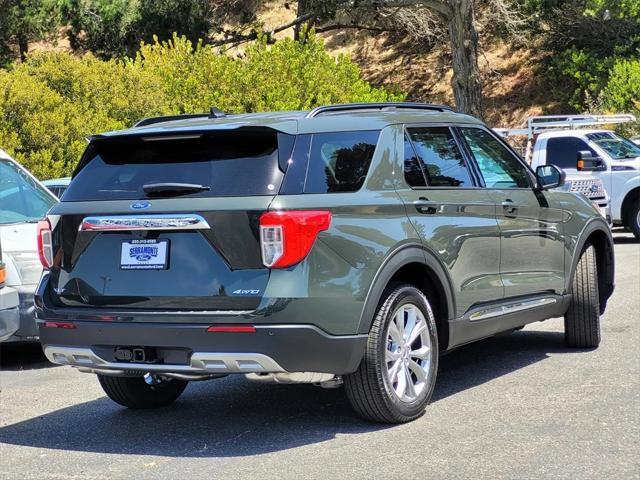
{"x":145,"y":254}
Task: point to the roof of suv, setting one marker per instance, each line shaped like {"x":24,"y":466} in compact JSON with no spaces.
{"x":322,"y":119}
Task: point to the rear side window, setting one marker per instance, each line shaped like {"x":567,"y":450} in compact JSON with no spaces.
{"x":440,"y":157}
{"x":563,"y":152}
{"x":228,"y":163}
{"x":339,"y":162}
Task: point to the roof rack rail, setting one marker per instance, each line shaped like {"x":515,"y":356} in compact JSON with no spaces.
{"x":214,"y":113}
{"x":349,"y":107}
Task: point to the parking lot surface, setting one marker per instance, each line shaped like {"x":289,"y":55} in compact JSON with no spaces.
{"x":513,"y":406}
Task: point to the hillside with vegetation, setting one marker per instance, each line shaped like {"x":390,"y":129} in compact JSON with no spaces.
{"x":71,"y":68}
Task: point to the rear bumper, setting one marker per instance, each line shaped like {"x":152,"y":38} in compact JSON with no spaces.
{"x":189,"y":349}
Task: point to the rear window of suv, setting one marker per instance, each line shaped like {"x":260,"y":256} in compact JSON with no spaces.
{"x":237,"y":163}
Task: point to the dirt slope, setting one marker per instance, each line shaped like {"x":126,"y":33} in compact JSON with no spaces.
{"x":512,"y":89}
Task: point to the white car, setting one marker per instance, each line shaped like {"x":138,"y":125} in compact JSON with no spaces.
{"x":23,"y":202}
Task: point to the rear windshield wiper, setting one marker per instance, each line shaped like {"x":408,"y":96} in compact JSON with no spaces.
{"x":173,"y":188}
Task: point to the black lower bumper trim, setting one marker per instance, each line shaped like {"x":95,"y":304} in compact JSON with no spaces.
{"x":297,"y":348}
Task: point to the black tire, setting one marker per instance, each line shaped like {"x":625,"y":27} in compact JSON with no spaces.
{"x":369,"y":389}
{"x":582,"y":320}
{"x":633,"y":219}
{"x":135,"y":392}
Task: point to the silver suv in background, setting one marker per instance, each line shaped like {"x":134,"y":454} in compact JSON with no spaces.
{"x":23,"y":202}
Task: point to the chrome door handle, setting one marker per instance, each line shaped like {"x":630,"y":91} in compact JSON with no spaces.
{"x":424,"y":205}
{"x":509,"y":206}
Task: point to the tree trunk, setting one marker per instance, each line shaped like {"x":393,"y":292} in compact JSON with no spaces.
{"x":23,"y":46}
{"x":304,"y":7}
{"x":466,"y":81}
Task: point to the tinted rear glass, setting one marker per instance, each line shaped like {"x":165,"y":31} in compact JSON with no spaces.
{"x":229,"y":163}
{"x":339,"y":162}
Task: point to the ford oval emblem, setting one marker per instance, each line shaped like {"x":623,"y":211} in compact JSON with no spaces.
{"x":140,"y":205}
{"x":594,"y":187}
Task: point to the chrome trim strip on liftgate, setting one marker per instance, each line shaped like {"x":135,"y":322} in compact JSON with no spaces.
{"x":511,"y":308}
{"x":116,"y":223}
{"x":200,"y":362}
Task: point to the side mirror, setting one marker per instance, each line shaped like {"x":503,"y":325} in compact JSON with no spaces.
{"x":549,"y":176}
{"x":587,"y":162}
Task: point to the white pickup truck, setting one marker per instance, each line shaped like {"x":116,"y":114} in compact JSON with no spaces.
{"x":587,"y":155}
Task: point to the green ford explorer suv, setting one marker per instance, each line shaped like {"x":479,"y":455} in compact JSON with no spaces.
{"x":347,"y":244}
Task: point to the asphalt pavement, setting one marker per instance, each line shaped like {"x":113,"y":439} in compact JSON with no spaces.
{"x":519,"y":406}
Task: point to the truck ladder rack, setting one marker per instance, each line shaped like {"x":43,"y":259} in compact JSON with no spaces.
{"x":545,"y":123}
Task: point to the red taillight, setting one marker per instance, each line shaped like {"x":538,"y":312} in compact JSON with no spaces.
{"x":67,"y":325}
{"x":286,"y":237}
{"x":232,"y":328}
{"x":45,"y":243}
{"x":3,"y":274}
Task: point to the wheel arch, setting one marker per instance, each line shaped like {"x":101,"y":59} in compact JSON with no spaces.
{"x":415,"y":265}
{"x":629,"y":199}
{"x":598,"y":235}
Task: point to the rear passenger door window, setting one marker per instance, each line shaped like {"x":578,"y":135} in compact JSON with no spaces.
{"x":499,"y":167}
{"x":339,"y":162}
{"x":439,"y":157}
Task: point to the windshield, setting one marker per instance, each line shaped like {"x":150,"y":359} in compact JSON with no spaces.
{"x":21,"y":198}
{"x":617,"y":147}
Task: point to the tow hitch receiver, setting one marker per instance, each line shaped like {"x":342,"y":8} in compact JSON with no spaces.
{"x":135,"y":354}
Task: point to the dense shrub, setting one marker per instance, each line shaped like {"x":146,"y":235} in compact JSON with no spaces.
{"x":622,"y":91}
{"x":51,"y":102}
{"x":603,"y":85}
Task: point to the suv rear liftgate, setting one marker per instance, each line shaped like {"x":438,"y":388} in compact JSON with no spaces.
{"x":186,"y":217}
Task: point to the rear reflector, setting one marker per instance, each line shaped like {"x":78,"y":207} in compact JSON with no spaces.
{"x":45,"y":244}
{"x":68,"y":325}
{"x":286,"y":237}
{"x":232,"y":329}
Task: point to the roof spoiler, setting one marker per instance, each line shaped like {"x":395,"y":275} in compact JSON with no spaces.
{"x":213,"y":113}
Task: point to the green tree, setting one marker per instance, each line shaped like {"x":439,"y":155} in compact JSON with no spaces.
{"x":115,"y":28}
{"x":51,"y":102}
{"x":24,"y":21}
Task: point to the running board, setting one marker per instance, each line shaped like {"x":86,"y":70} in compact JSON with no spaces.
{"x":512,"y":308}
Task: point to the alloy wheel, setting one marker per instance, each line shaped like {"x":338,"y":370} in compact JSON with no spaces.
{"x":408,"y":353}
